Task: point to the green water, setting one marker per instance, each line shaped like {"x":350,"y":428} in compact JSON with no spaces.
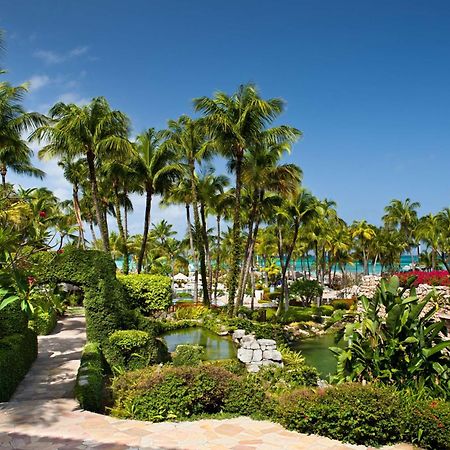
{"x":317,"y":354}
{"x":216,"y":347}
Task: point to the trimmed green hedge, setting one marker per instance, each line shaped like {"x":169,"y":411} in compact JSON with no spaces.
{"x":90,"y":378}
{"x":17,"y":353}
{"x":43,"y":322}
{"x":12,"y":320}
{"x":188,"y":355}
{"x":147,"y":292}
{"x":135,"y":349}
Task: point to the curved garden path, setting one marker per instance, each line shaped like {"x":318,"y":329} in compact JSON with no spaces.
{"x":43,"y":415}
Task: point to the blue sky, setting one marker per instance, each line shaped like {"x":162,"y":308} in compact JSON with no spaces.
{"x":366,"y":81}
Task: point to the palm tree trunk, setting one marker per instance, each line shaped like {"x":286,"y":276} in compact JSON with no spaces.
{"x":217,"y":271}
{"x":194,"y":256}
{"x":3,"y":171}
{"x":102,"y":223}
{"x":148,"y":208}
{"x":77,"y":210}
{"x":236,"y":233}
{"x":91,"y":226}
{"x":199,"y":237}
{"x":206,"y":243}
{"x":125,"y":266}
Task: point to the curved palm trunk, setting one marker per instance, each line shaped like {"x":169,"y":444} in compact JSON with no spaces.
{"x":194,"y":256}
{"x":148,"y":207}
{"x":3,"y":171}
{"x":234,"y":270}
{"x":101,"y":219}
{"x":77,"y":210}
{"x":199,"y":235}
{"x":125,"y":267}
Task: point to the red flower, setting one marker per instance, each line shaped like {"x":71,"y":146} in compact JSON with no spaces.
{"x":60,"y":251}
{"x":42,"y":214}
{"x":31,"y":280}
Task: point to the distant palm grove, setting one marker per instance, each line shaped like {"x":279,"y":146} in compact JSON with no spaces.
{"x":260,"y":215}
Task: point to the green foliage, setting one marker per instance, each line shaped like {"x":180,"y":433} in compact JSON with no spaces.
{"x":427,"y":423}
{"x":43,"y":322}
{"x":170,"y":393}
{"x":344,"y":304}
{"x":17,"y":353}
{"x":261,"y":330}
{"x":191,"y":312}
{"x":134,"y":349}
{"x":90,"y":378}
{"x":232,"y":365}
{"x":352,"y":413}
{"x":396,"y":342}
{"x":297,"y":314}
{"x":188,"y":355}
{"x":306,"y":290}
{"x":147,"y":292}
{"x":13,"y":320}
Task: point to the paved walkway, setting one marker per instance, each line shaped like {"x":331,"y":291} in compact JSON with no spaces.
{"x":42,"y":415}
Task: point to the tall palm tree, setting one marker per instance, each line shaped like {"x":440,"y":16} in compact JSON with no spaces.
{"x":93,"y":131}
{"x":14,"y":121}
{"x":187,"y":137}
{"x":364,"y":233}
{"x":237,"y":123}
{"x":403,"y":216}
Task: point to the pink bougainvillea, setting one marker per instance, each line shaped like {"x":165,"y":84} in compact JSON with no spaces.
{"x":433,"y":278}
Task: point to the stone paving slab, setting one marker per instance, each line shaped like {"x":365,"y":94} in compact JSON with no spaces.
{"x":43,"y":415}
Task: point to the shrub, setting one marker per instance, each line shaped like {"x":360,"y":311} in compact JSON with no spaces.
{"x":344,"y":304}
{"x":326,"y":310}
{"x":12,"y":320}
{"x":367,"y":415}
{"x":188,"y":355}
{"x":43,"y":322}
{"x":90,"y":378}
{"x":261,"y":330}
{"x":134,"y":349}
{"x":147,"y":292}
{"x":232,"y":365}
{"x":307,"y":290}
{"x":433,"y":278}
{"x":297,"y":314}
{"x":428,"y":424}
{"x":170,"y":393}
{"x":191,"y":312}
{"x":17,"y":353}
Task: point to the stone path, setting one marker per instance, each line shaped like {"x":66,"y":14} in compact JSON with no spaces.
{"x":42,"y":415}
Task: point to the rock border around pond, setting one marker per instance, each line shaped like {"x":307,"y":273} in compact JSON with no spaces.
{"x":255,"y":353}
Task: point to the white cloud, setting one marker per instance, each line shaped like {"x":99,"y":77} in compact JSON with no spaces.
{"x":39,"y":81}
{"x":51,"y":57}
{"x":73,"y":97}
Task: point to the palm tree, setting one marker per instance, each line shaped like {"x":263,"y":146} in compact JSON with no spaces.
{"x":188,"y":139}
{"x":14,"y":151}
{"x":237,"y":123}
{"x":364,"y":233}
{"x":403,"y":216}
{"x":156,"y":171}
{"x":93,"y":131}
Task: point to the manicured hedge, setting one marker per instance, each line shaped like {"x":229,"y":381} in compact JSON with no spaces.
{"x":90,"y":378}
{"x":17,"y":353}
{"x":43,"y":322}
{"x":135,"y":349}
{"x":147,"y":292}
{"x":12,"y":320}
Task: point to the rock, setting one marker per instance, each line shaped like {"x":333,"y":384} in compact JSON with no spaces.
{"x":255,"y":346}
{"x":273,"y":355}
{"x":252,"y":368}
{"x":257,"y":355}
{"x":238,"y":334}
{"x":245,"y":355}
{"x":266,"y":342}
{"x":83,"y":380}
{"x":247,"y":340}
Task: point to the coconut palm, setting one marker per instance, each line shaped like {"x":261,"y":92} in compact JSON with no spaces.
{"x":15,"y":154}
{"x":363,"y":232}
{"x":156,"y":171}
{"x":237,"y":123}
{"x":93,"y":131}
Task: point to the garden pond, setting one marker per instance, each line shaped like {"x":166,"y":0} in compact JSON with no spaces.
{"x":216,"y":347}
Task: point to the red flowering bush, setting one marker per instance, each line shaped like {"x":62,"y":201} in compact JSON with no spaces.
{"x":42,"y":214}
{"x":433,"y":278}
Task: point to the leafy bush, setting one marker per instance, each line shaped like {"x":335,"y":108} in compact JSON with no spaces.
{"x":261,"y":330}
{"x":147,"y":292}
{"x":326,"y":310}
{"x":188,"y":355}
{"x":232,"y":365}
{"x":170,"y":393}
{"x":43,"y":322}
{"x":17,"y":353}
{"x":428,"y":424}
{"x":433,"y":278}
{"x":344,"y":304}
{"x":395,"y":344}
{"x":90,"y":378}
{"x":352,"y":413}
{"x":297,"y":314}
{"x":12,"y":320}
{"x":134,"y":349}
{"x":191,"y":312}
{"x":307,"y":290}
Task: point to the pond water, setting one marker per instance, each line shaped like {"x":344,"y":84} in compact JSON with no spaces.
{"x":317,"y":354}
{"x":216,"y":347}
